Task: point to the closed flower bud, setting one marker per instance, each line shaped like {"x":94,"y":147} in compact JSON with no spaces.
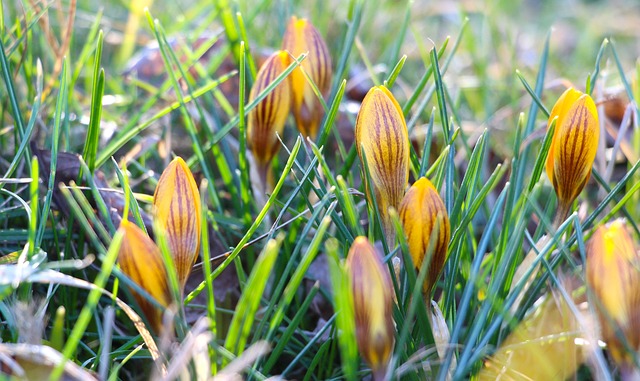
{"x":177,"y":207}
{"x":573,"y":147}
{"x":381,"y":136}
{"x":302,"y":37}
{"x":373,"y":304}
{"x":424,"y":218}
{"x":140,"y":259}
{"x":268,"y":118}
{"x":613,"y":274}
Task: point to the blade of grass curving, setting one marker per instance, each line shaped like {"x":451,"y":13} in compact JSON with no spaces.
{"x":206,"y":264}
{"x":93,"y":133}
{"x":245,"y":184}
{"x":101,"y":206}
{"x":395,"y":72}
{"x":426,"y":150}
{"x":24,"y":144}
{"x":534,"y":95}
{"x":13,"y":99}
{"x":343,"y":305}
{"x":247,"y":307}
{"x":131,"y":204}
{"x":33,"y":217}
{"x":538,"y":168}
{"x":330,"y":117}
{"x":428,"y":73}
{"x":82,"y":220}
{"x":593,"y":78}
{"x":245,"y":50}
{"x":55,"y":140}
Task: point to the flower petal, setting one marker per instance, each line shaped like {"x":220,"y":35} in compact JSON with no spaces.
{"x":270,"y":115}
{"x":422,"y":212}
{"x":381,"y":135}
{"x":140,"y":259}
{"x":302,"y":37}
{"x":613,"y":273}
{"x":573,"y":147}
{"x":177,"y":208}
{"x":373,"y":304}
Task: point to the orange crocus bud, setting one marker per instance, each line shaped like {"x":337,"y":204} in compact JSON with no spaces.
{"x":140,"y":259}
{"x":381,"y":136}
{"x":302,"y":37}
{"x":177,"y":207}
{"x":573,"y":147}
{"x":613,"y":274}
{"x":268,"y":117}
{"x":372,"y":293}
{"x":424,"y":218}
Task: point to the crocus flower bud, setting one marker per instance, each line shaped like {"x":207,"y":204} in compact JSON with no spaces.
{"x":177,"y":207}
{"x":424,"y":218}
{"x":573,"y":147}
{"x":302,"y":37}
{"x":381,"y":136}
{"x":140,"y":259}
{"x":373,"y":304}
{"x":613,"y":274}
{"x":270,"y":115}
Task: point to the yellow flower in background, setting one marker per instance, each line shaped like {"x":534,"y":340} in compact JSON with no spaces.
{"x":177,"y":209}
{"x":372,"y":293}
{"x":613,"y":274}
{"x":140,"y":259}
{"x":423,"y":214}
{"x":381,"y":135}
{"x":302,"y":37}
{"x":543,"y":346}
{"x":573,"y":148}
{"x":270,"y":115}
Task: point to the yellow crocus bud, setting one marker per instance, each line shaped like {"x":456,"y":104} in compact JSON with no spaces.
{"x":424,"y":217}
{"x":268,"y":117}
{"x":613,"y":274}
{"x":573,"y":147}
{"x":177,"y":207}
{"x":372,"y":293}
{"x":302,"y":37}
{"x":381,"y":135}
{"x":140,"y":259}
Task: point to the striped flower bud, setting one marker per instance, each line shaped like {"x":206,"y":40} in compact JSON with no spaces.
{"x":177,"y":207}
{"x":140,"y":259}
{"x":372,"y":304}
{"x":613,"y":274}
{"x":302,"y":37}
{"x":424,"y":218}
{"x":270,"y":115}
{"x":573,"y":147}
{"x":381,"y":136}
